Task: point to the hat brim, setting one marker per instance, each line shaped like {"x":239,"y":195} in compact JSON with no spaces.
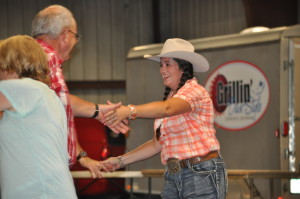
{"x":200,"y":64}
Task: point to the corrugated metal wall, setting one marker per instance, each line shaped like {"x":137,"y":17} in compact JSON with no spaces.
{"x":111,"y":27}
{"x":191,"y":19}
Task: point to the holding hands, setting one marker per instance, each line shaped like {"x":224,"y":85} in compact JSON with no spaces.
{"x":97,"y":167}
{"x":105,"y":110}
{"x":113,"y":163}
{"x":114,"y":116}
{"x":119,"y":114}
{"x":94,"y":166}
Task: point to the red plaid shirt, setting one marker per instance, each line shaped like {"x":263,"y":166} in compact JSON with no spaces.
{"x":58,"y":84}
{"x":190,"y":134}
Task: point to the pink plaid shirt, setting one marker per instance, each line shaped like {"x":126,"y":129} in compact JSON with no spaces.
{"x":58,"y":84}
{"x":190,"y":134}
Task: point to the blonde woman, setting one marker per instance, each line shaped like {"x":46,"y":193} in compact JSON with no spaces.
{"x":33,"y":128}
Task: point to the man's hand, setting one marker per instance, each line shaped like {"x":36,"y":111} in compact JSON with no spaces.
{"x":94,"y":166}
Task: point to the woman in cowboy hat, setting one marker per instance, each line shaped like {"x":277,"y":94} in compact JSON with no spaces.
{"x":184,"y":131}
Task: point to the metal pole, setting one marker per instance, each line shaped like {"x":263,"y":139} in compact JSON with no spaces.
{"x":272,"y":188}
{"x":131,"y":188}
{"x":149,"y":187}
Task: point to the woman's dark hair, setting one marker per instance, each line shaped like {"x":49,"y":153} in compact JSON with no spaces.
{"x":188,"y":73}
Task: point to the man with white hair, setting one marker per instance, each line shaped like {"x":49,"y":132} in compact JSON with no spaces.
{"x":55,"y":29}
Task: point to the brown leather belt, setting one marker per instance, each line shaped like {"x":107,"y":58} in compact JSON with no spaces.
{"x":174,"y":165}
{"x":194,"y":160}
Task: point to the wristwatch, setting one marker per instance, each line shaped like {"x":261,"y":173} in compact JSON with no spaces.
{"x":82,"y":154}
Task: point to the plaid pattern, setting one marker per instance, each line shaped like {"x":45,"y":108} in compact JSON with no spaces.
{"x":190,"y":134}
{"x":58,"y":84}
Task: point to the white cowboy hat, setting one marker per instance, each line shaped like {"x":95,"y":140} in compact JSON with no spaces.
{"x":181,"y":49}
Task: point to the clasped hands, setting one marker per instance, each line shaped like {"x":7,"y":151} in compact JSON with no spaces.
{"x":97,"y":167}
{"x":115,"y":117}
{"x":111,"y":115}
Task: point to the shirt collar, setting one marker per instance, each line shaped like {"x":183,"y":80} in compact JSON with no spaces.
{"x":50,"y":48}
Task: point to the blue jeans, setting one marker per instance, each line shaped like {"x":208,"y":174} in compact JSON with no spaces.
{"x":205,"y":180}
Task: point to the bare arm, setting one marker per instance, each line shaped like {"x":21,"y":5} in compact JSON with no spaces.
{"x":81,"y":107}
{"x":158,"y":109}
{"x":144,"y":151}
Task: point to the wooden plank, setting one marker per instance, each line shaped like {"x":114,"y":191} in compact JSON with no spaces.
{"x":89,"y":47}
{"x":3,"y":19}
{"x":15,"y":14}
{"x":30,"y":9}
{"x":118,"y":40}
{"x":96,"y":84}
{"x":234,"y":174}
{"x":104,"y":34}
{"x":116,"y":174}
{"x":157,"y":173}
{"x":146,"y":24}
{"x":74,"y":68}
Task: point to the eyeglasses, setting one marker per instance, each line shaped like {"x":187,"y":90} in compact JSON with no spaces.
{"x":77,"y":36}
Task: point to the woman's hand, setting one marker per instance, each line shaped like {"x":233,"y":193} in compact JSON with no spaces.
{"x":113,"y":163}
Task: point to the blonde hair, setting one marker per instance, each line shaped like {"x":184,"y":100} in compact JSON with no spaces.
{"x":24,"y":56}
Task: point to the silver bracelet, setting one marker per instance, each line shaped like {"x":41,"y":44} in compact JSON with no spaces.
{"x":133,"y":113}
{"x":120,"y":162}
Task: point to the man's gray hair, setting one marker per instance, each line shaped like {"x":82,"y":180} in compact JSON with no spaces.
{"x":52,"y":21}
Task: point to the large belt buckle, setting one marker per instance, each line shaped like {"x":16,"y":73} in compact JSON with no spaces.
{"x":173,"y":165}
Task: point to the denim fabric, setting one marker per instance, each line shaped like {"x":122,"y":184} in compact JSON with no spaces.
{"x":205,"y":180}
